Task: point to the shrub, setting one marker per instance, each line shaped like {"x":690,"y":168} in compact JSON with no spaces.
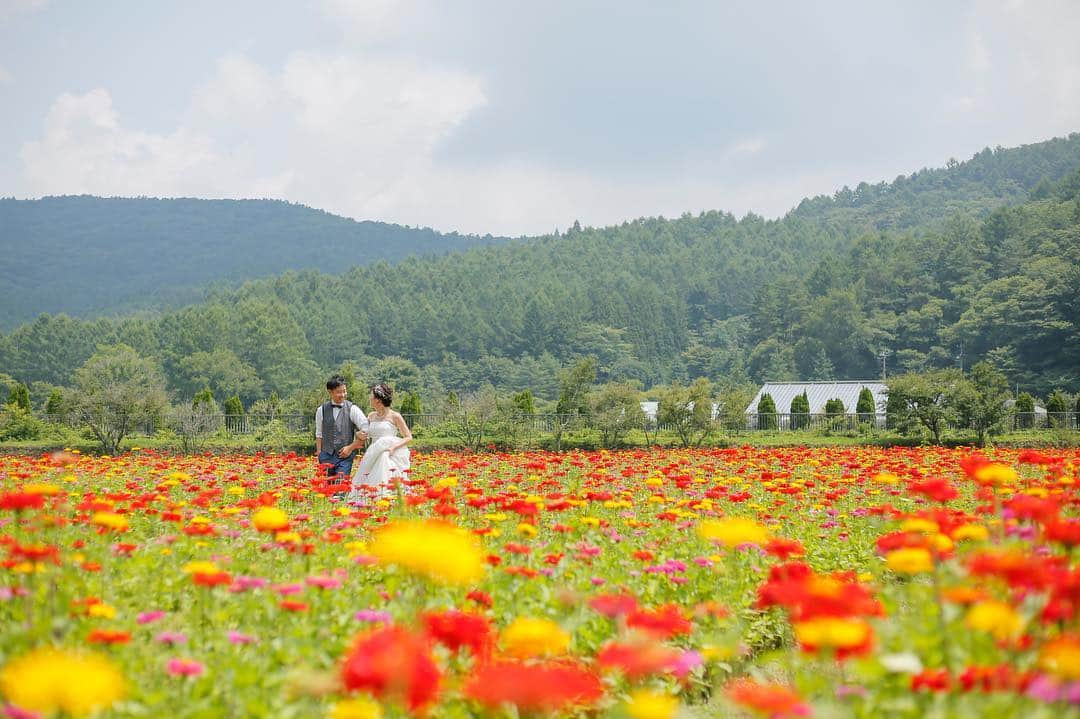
{"x":766,"y":412}
{"x":1025,"y":411}
{"x":865,"y":407}
{"x":800,"y":411}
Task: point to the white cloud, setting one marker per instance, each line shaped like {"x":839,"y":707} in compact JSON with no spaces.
{"x":371,"y":19}
{"x":5,"y":76}
{"x":86,"y":149}
{"x":749,"y":146}
{"x":11,"y":9}
{"x":978,"y":55}
{"x":240,"y":87}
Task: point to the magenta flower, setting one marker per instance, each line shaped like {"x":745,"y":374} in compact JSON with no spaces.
{"x":171,"y":638}
{"x":239,"y":638}
{"x":323,"y":581}
{"x":373,"y":616}
{"x":148,"y":617}
{"x":178,"y":667}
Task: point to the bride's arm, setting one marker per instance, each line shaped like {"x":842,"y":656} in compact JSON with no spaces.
{"x":406,"y":433}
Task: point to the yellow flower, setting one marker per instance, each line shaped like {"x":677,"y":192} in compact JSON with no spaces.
{"x":356,"y":708}
{"x":435,"y":549}
{"x":101,"y":610}
{"x":647,"y":704}
{"x":269,"y":519}
{"x":1061,"y":657}
{"x":886,"y":478}
{"x":970,"y":531}
{"x":526,"y":637}
{"x":200,"y":567}
{"x":110,"y":520}
{"x":49,"y":680}
{"x":910,"y":560}
{"x":526,"y":529}
{"x":995,"y":473}
{"x":920,"y":525}
{"x":997,"y":618}
{"x":46,"y":490}
{"x":734,"y":531}
{"x":445,"y":482}
{"x":832,"y":632}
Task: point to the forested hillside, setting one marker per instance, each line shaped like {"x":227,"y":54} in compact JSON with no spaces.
{"x":89,"y":256}
{"x":981,"y":257}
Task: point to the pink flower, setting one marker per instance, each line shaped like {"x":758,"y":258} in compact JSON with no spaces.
{"x":171,"y":638}
{"x":374,"y":616}
{"x":323,"y":581}
{"x":13,"y":712}
{"x":148,"y":617}
{"x":178,"y":667}
{"x":287,"y":589}
{"x":238,"y":638}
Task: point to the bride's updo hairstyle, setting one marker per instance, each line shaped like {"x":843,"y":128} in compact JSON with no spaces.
{"x":383,"y":393}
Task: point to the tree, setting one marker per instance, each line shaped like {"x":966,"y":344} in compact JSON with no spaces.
{"x":234,"y":413}
{"x":410,"y":404}
{"x":865,"y":407}
{"x":116,"y":392}
{"x":222,"y":372}
{"x":1025,"y":411}
{"x":19,"y":396}
{"x":615,"y":408}
{"x":688,"y":411}
{"x":469,"y":419}
{"x":203,"y":397}
{"x":800,"y":411}
{"x":925,"y":399}
{"x":195,"y":422}
{"x":766,"y":412}
{"x":54,"y":405}
{"x":574,"y":386}
{"x":523,"y":402}
{"x":980,"y":400}
{"x":1057,"y":405}
{"x":834,"y":408}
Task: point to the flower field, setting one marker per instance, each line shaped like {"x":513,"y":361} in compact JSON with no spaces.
{"x":848,"y":582}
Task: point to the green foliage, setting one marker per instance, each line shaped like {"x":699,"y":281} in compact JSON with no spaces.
{"x":980,"y":400}
{"x":524,"y":403}
{"x":410,"y":404}
{"x":117,"y":254}
{"x":1057,"y":404}
{"x":115,"y":392}
{"x":19,"y":424}
{"x":766,"y":412}
{"x":925,"y":400}
{"x":18,"y":396}
{"x":615,"y":409}
{"x":54,"y":406}
{"x":834,"y":407}
{"x":688,"y":411}
{"x":923,"y":265}
{"x":865,"y":404}
{"x":204,"y":398}
{"x":1025,"y":409}
{"x":800,"y":411}
{"x":233,"y":406}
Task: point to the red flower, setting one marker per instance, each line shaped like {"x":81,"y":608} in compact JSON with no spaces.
{"x":784,"y":549}
{"x":21,"y":500}
{"x":638,"y":659}
{"x":291,"y":605}
{"x":482,"y":598}
{"x":393,"y":663}
{"x":935,"y":680}
{"x":613,"y":605}
{"x":666,"y":621}
{"x":108,"y":636}
{"x":534,"y":688}
{"x":455,"y":629}
{"x":939,"y":490}
{"x":772,"y":700}
{"x":211,"y":579}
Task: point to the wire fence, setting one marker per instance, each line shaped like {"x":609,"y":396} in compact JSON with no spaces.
{"x":251,"y":424}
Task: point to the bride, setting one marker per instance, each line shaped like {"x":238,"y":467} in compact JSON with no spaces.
{"x":387,"y":457}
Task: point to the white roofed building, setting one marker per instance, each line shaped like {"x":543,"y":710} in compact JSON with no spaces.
{"x":819,"y":393}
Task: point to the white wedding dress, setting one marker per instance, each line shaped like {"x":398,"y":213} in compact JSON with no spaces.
{"x":379,"y":465}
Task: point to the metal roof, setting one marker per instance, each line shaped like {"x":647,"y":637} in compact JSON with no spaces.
{"x":818,"y":393}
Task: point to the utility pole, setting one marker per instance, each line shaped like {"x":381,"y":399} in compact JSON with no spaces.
{"x":884,"y":353}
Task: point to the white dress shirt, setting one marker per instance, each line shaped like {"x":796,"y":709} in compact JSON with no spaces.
{"x":358,"y":419}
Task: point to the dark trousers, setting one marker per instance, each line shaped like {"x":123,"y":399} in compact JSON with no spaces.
{"x":338,"y":466}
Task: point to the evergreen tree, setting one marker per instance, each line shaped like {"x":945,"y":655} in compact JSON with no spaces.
{"x":19,"y":396}
{"x":834,"y":407}
{"x":203,"y":398}
{"x":54,"y":406}
{"x":1025,"y":411}
{"x":410,"y":404}
{"x":800,"y":411}
{"x":766,"y":412}
{"x":1057,"y":404}
{"x":865,"y":407}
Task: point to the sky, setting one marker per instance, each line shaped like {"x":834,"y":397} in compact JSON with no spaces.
{"x":510,"y":117}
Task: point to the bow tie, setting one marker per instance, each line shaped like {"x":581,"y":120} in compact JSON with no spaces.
{"x":336,"y":406}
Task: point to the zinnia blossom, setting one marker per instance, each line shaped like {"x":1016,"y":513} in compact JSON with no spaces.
{"x":269,"y":519}
{"x":534,"y":688}
{"x":393,"y":664}
{"x":53,"y":680}
{"x":528,"y":637}
{"x":434,"y":549}
{"x":771,"y":700}
{"x":178,"y":667}
{"x":733,"y":531}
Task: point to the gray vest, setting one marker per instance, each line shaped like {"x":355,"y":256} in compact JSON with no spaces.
{"x":336,"y":435}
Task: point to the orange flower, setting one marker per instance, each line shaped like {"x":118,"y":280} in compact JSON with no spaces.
{"x":534,"y":688}
{"x":393,"y":664}
{"x":771,"y":700}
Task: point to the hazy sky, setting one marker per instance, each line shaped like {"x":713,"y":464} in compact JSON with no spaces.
{"x":519,"y":117}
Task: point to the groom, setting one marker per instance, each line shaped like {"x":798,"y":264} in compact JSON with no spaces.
{"x":340,"y":428}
